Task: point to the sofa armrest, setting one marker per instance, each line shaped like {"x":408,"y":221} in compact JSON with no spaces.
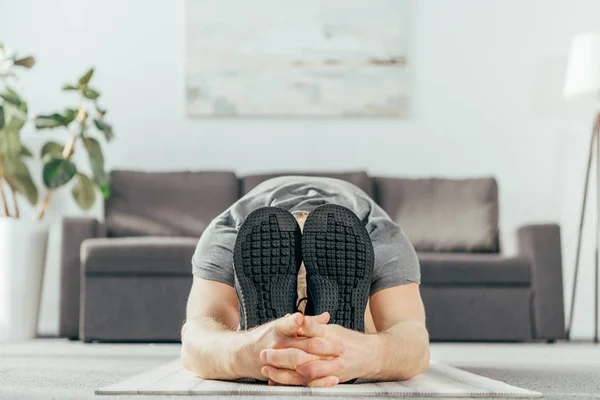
{"x":542,"y":246}
{"x":73,"y":231}
{"x":134,"y":288}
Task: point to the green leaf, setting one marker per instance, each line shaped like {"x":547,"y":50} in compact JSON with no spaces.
{"x":26,"y":187}
{"x":12,"y":97}
{"x":57,"y":171}
{"x":67,"y":88}
{"x":18,"y":177}
{"x":10,"y":143}
{"x":84,"y":192}
{"x":12,"y":164}
{"x":86,"y":78}
{"x":69,"y":115}
{"x":51,"y":121}
{"x":15,"y":117}
{"x":101,"y":112}
{"x":105,"y":128}
{"x":25,"y":152}
{"x":26,"y":62}
{"x":1,"y":116}
{"x":90,"y":93}
{"x":105,"y":189}
{"x":52,"y":148}
{"x":96,"y":161}
{"x":15,"y":102}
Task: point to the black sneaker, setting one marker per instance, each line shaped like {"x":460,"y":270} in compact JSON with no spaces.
{"x":338,"y":256}
{"x":266,"y":258}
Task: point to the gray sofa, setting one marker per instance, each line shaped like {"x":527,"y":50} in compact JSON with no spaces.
{"x":127,"y":278}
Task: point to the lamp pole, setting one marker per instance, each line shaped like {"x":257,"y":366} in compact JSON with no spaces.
{"x":597,"y":125}
{"x":594,"y":142}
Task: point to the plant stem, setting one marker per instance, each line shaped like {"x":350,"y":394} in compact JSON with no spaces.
{"x":44,"y":205}
{"x":68,"y":150}
{"x":14,"y":198}
{"x":3,"y":197}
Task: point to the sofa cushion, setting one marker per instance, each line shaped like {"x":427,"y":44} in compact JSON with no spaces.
{"x":358,"y":178}
{"x":138,"y":256}
{"x":167,"y":203}
{"x":443,"y":214}
{"x":473,"y":269}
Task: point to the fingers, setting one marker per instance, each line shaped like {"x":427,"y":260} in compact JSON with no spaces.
{"x":286,"y":358}
{"x":319,"y":369}
{"x":322,"y":318}
{"x":322,"y":346}
{"x":313,"y":326}
{"x":319,"y":319}
{"x":317,"y":346}
{"x":289,"y":325}
{"x":282,"y":376}
{"x":327,"y":381}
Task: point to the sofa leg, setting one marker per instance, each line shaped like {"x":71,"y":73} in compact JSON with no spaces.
{"x":551,"y":341}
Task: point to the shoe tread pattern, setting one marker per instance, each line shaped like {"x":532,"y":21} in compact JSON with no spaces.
{"x":266,"y":261}
{"x":338,"y":256}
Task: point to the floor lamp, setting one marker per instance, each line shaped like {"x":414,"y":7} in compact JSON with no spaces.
{"x":583,"y":77}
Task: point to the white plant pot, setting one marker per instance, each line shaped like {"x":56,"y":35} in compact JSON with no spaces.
{"x":22,"y":258}
{"x":49,"y":319}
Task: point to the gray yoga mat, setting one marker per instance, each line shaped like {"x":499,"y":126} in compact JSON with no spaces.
{"x":439,"y":381}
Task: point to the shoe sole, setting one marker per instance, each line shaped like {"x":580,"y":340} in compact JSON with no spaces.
{"x":338,"y":257}
{"x":266,"y":259}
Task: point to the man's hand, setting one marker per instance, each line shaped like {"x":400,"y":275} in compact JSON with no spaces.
{"x":288,"y":354}
{"x":355,"y":356}
{"x":358,"y":360}
{"x":282,"y":336}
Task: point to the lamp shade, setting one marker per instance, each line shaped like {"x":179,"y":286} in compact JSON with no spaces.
{"x":583,"y":70}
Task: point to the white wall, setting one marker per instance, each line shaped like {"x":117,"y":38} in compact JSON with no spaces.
{"x":487,"y":101}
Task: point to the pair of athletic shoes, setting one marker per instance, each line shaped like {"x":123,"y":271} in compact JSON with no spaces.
{"x":337,"y":254}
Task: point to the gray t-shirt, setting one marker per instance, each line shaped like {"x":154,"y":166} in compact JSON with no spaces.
{"x":395,"y":258}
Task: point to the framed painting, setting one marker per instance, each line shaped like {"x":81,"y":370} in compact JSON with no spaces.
{"x":298,"y":58}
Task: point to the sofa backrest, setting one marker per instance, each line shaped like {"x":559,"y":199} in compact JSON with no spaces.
{"x":357,"y":178}
{"x":457,"y":215}
{"x":167,"y":203}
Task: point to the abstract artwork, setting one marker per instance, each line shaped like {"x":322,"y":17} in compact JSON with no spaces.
{"x":297,"y":57}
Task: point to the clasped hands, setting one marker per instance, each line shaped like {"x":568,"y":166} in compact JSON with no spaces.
{"x":306,"y":351}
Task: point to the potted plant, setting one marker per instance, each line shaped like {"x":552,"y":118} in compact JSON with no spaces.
{"x":65,"y":163}
{"x":22,"y":242}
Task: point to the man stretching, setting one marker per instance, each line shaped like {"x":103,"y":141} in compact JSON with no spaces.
{"x":316,"y":245}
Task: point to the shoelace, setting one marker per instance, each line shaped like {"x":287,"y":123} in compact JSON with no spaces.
{"x":300,"y":302}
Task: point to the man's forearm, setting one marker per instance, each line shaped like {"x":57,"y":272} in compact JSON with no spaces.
{"x":212,"y":351}
{"x":402,"y":352}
